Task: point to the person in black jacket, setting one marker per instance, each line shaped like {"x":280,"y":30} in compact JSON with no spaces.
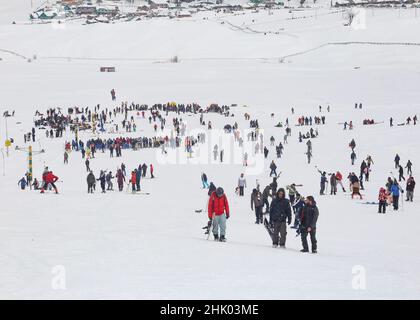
{"x":280,"y":213}
{"x":308,"y":218}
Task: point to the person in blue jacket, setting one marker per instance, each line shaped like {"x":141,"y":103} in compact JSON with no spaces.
{"x":22,"y":183}
{"x":395,"y":192}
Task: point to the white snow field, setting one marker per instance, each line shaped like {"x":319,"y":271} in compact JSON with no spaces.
{"x":123,"y":246}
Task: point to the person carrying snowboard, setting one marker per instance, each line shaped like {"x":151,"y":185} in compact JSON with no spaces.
{"x":280,"y":214}
{"x":308,"y":219}
{"x":218,"y":213}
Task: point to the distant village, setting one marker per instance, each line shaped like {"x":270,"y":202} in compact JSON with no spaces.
{"x":106,"y":11}
{"x":110,"y":11}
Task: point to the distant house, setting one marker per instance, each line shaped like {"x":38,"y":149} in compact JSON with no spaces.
{"x":85,"y":10}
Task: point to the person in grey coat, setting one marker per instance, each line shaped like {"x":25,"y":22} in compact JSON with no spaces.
{"x":257,"y":202}
{"x":280,"y":214}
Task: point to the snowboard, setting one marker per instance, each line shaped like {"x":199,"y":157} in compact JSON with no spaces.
{"x":269,"y":228}
{"x":369,"y":202}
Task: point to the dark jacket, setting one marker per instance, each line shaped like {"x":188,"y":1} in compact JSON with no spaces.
{"x":256,"y":200}
{"x":309,"y":216}
{"x":280,"y":210}
{"x":91,"y":179}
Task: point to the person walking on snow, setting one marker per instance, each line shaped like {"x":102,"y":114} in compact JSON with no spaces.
{"x":204,"y":181}
{"x":410,"y":188}
{"x":218,"y":213}
{"x":308,"y":219}
{"x":91,"y":180}
{"x":397,"y":161}
{"x":241,"y":184}
{"x":280,"y":214}
{"x":408,"y":167}
{"x":273,"y":168}
{"x":257,"y":202}
{"x":382,"y":198}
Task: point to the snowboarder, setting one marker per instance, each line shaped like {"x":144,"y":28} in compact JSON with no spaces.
{"x":102,"y":179}
{"x":218,"y":213}
{"x":353,"y":157}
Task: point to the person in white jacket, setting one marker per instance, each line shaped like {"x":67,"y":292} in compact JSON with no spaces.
{"x":241,"y":185}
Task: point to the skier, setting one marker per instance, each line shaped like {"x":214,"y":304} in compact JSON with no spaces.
{"x":410,"y":188}
{"x":91,"y":182}
{"x":218,"y":213}
{"x":66,"y":157}
{"x":308,"y":219}
{"x":241,"y":184}
{"x":280,"y":213}
{"x":22,"y":183}
{"x":113,"y":97}
{"x":204,"y":181}
{"x":257,"y":202}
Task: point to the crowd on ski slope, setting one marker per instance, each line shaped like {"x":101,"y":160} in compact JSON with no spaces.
{"x":281,"y":208}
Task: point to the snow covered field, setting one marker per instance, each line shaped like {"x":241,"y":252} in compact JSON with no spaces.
{"x":120,"y":245}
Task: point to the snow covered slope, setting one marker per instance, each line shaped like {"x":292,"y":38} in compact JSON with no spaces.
{"x":120,"y":245}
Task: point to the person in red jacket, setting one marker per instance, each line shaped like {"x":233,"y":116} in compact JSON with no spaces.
{"x":151,"y":171}
{"x":218,"y":213}
{"x":383,"y":197}
{"x":49,"y":179}
{"x":133,"y":180}
{"x":339,"y":177}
